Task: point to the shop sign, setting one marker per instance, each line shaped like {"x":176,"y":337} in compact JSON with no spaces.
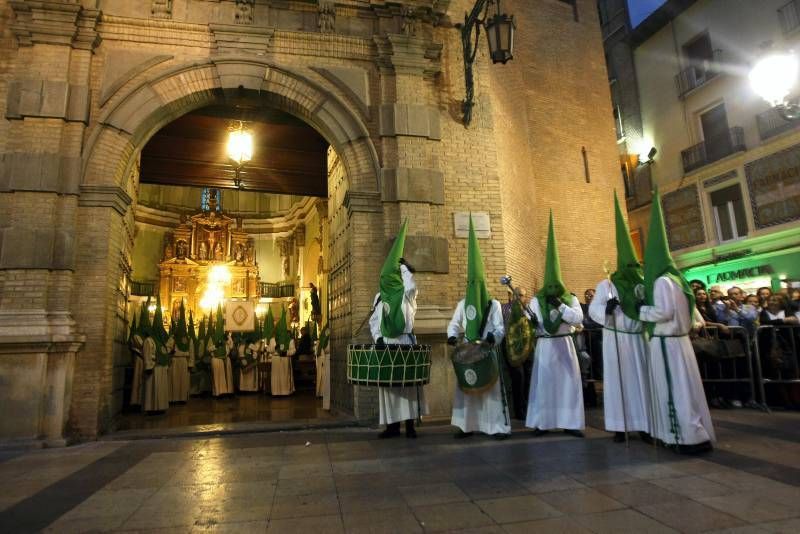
{"x":740,"y":274}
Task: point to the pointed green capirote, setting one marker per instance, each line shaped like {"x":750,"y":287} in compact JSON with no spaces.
{"x":159,"y":333}
{"x":192,"y":332}
{"x":393,"y":321}
{"x":133,"y":330}
{"x":144,"y":320}
{"x":477,"y":299}
{"x":553,"y":285}
{"x":268,"y":329}
{"x":201,"y":334}
{"x":629,"y":272}
{"x":282,"y":336}
{"x":182,"y":331}
{"x":658,"y":260}
{"x":219,"y":327}
{"x":324,"y":338}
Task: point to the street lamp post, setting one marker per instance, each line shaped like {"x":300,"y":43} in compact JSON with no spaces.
{"x":500,"y":35}
{"x":774,"y":78}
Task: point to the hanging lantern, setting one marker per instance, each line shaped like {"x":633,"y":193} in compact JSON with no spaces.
{"x":500,"y":34}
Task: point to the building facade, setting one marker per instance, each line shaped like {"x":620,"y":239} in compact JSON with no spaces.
{"x":726,"y":164}
{"x":85,"y":84}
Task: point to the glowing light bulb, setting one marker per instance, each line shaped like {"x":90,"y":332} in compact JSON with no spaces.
{"x":240,"y":145}
{"x":774,"y":77}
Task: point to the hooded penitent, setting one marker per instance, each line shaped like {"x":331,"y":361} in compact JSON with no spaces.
{"x":144,"y":320}
{"x":181,"y":331}
{"x":658,"y":261}
{"x":629,"y":272}
{"x":192,"y":333}
{"x":477,"y":300}
{"x":134,"y":330}
{"x":393,"y":321}
{"x":159,"y":333}
{"x":219,"y":334}
{"x":268,"y":329}
{"x":282,"y":336}
{"x":324,"y":337}
{"x":201,"y":334}
{"x":552,"y":286}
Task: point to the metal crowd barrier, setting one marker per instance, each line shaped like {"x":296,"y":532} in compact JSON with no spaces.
{"x":589,"y":345}
{"x":776,"y":353}
{"x":735,"y":365}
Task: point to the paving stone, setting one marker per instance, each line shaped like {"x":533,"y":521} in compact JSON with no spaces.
{"x":622,"y":521}
{"x":516,"y":509}
{"x":239,"y":527}
{"x":399,"y":521}
{"x":790,"y":526}
{"x":689,"y":516}
{"x":363,"y":501}
{"x":638,"y":493}
{"x":580,"y":501}
{"x":451,"y":516}
{"x":559,"y":525}
{"x":325,"y":524}
{"x":305,"y":506}
{"x":693,"y":487}
{"x":752,"y":507}
{"x":491,"y":487}
{"x":427,"y":494}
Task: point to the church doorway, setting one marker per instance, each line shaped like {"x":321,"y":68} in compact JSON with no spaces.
{"x":241,"y":245}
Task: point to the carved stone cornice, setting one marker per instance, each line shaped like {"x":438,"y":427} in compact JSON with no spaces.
{"x":238,"y":38}
{"x":54,"y":22}
{"x":105,"y":196}
{"x":408,"y":55}
{"x":362,"y":201}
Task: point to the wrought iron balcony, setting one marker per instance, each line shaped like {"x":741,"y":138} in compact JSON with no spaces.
{"x":713,"y":149}
{"x":144,"y":289}
{"x":276,"y":290}
{"x":770,"y":123}
{"x":698,"y":74}
{"x":789,"y":15}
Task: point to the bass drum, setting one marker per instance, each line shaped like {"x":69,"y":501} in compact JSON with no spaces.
{"x":476,"y":367}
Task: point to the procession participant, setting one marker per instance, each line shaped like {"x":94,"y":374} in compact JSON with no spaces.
{"x":519,"y":342}
{"x":556,"y":395}
{"x":156,"y":360}
{"x":267,"y":349}
{"x":221,"y":379}
{"x":322,"y":355}
{"x":392,"y":323}
{"x":201,"y":372}
{"x":282,"y":377}
{"x":248,"y":362}
{"x":179,"y":368}
{"x":680,"y":408}
{"x":624,"y":345}
{"x":136,"y":344}
{"x":485,"y":412}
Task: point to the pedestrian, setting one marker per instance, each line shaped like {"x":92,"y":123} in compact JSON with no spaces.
{"x":681,"y":414}
{"x":556,"y":395}
{"x":392,"y":323}
{"x":486,"y":411}
{"x":626,"y":380}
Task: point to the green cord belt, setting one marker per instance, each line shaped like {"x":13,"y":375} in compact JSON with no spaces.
{"x":557,"y":335}
{"x":622,"y":331}
{"x":674,"y":425}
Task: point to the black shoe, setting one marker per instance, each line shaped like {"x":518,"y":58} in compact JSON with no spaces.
{"x":410,"y":432}
{"x":699,"y":448}
{"x":647,"y":438}
{"x":619,"y":437}
{"x":500,"y":437}
{"x":461,"y":434}
{"x":537,"y":432}
{"x":577,"y":433}
{"x":392,"y":430}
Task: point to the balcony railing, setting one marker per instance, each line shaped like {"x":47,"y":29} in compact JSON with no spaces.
{"x":770,"y":123}
{"x":143,"y":289}
{"x":713,"y":149}
{"x":276,"y":290}
{"x":640,"y":188}
{"x":699,"y":73}
{"x":789,"y":15}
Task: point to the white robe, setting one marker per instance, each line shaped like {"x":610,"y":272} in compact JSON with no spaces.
{"x":320,"y":362}
{"x":398,"y":404}
{"x":632,"y":358}
{"x":556,"y":394}
{"x":485,"y":412}
{"x":282,"y":376}
{"x":671,"y":314}
{"x":179,"y":375}
{"x":137,"y":385}
{"x":156,"y":382}
{"x":221,"y":380}
{"x":248,"y":376}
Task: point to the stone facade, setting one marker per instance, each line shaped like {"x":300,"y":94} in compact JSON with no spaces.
{"x":83,"y":89}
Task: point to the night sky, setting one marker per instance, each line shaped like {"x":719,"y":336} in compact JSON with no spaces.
{"x":640,"y":9}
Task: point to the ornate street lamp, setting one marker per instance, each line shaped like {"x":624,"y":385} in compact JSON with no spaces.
{"x":500,"y":34}
{"x":774,"y":78}
{"x":240,"y":149}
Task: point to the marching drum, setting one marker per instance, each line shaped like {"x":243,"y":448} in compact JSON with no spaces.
{"x":389,"y":365}
{"x":476,"y":366}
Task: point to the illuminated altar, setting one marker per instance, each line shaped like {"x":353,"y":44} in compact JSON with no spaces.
{"x":207,"y":258}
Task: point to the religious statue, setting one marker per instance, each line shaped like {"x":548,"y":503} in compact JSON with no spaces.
{"x":239,"y":253}
{"x":168,"y":251}
{"x":294,"y":311}
{"x":202,"y":254}
{"x":219,"y":252}
{"x":181,"y":250}
{"x":251,"y":254}
{"x":285,"y":265}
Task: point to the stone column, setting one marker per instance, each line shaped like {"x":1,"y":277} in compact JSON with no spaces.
{"x":47,"y":107}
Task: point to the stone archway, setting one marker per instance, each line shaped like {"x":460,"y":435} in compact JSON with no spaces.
{"x":108,"y":192}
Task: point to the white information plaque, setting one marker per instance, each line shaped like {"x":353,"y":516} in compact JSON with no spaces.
{"x":483,"y":226}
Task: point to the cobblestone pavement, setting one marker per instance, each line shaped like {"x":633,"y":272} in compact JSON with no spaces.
{"x":345,"y":480}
